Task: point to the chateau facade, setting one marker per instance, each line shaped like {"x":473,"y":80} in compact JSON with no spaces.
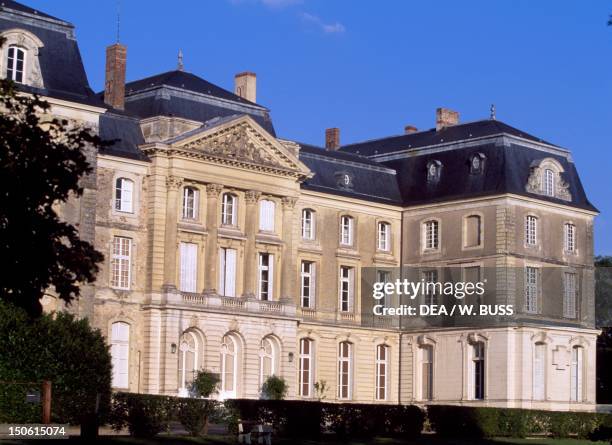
{"x":230,"y":249}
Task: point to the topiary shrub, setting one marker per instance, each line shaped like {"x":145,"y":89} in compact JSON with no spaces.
{"x":60,"y":348}
{"x":194,"y":414}
{"x":205,"y":384}
{"x":274,"y":388}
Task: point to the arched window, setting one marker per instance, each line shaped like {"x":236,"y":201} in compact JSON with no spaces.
{"x":190,"y":203}
{"x":15,"y":64}
{"x":382,"y":371}
{"x":120,"y":354}
{"x":345,"y":369}
{"x":431,"y":235}
{"x":549,"y":182}
{"x":306,"y":367}
{"x":229,"y":366}
{"x":539,"y":372}
{"x":427,"y":372}
{"x":346,"y":230}
{"x":308,"y":224}
{"x":576,"y":375}
{"x":434,"y":169}
{"x":189,"y":350}
{"x":478,"y":370}
{"x":531,"y":230}
{"x":384,"y":236}
{"x":229,"y":209}
{"x":124,"y":195}
{"x":472,"y":231}
{"x":267,"y":359}
{"x":266,"y":215}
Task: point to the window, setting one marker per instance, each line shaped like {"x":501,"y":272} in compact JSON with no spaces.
{"x":188,"y":361}
{"x":120,"y":354}
{"x":188,"y":253}
{"x":346,"y":231}
{"x":569,"y":295}
{"x":569,"y":237}
{"x":539,"y":370}
{"x":124,"y":192}
{"x":427,"y":372}
{"x":346,"y":288}
{"x":267,"y":358}
{"x":307,"y":284}
{"x":478,"y":370}
{"x":477,"y":164}
{"x":266,"y":215}
{"x":120,"y":262}
{"x":531,"y":289}
{"x":15,"y":64}
{"x":549,"y":182}
{"x":384,"y":276}
{"x":576,"y":389}
{"x":430,"y":278}
{"x":228,"y":209}
{"x":472,"y":231}
{"x":227,"y":272}
{"x":266,"y":283}
{"x":190,"y":203}
{"x":344,"y":370}
{"x":431,"y":235}
{"x":382,"y":370}
{"x":384,"y":236}
{"x":433,"y":171}
{"x":308,"y":224}
{"x":229,"y":366}
{"x":531,"y":230}
{"x":306,"y":355}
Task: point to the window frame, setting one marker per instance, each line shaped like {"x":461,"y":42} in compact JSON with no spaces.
{"x":479,"y":370}
{"x":349,"y":291}
{"x":308,"y":224}
{"x":188,"y":283}
{"x":577,"y":374}
{"x":570,"y":295}
{"x":569,"y":237}
{"x":347,"y":230}
{"x":431,"y":236}
{"x":548,"y":182}
{"x":309,"y":369}
{"x":479,"y":229}
{"x":345,"y":373}
{"x":116,"y":344}
{"x":532,"y":289}
{"x":427,"y":372}
{"x":310,"y":276}
{"x":267,"y":224}
{"x":268,"y":271}
{"x":539,"y":387}
{"x":12,"y":72}
{"x":229,"y":209}
{"x":381,"y":373}
{"x":124,"y":263}
{"x":531,"y":230}
{"x":383,"y":236}
{"x":190,"y":213}
{"x":119,"y":199}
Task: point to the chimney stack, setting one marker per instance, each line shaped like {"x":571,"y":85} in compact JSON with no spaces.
{"x":114,"y":85}
{"x":409,"y":129}
{"x":332,"y":138}
{"x":446,"y":118}
{"x":245,"y":86}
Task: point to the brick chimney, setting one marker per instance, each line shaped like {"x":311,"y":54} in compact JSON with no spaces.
{"x":409,"y":129}
{"x":245,"y":86}
{"x":114,"y":85}
{"x":332,"y":138}
{"x":446,"y":118}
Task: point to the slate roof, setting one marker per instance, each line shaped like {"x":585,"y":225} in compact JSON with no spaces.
{"x":124,"y":134}
{"x":60,"y":59}
{"x":370,"y":180}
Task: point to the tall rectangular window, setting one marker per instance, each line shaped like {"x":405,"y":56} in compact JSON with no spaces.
{"x":124,"y":193}
{"x":190,"y":203}
{"x":308,"y":224}
{"x":472,"y":231}
{"x":188,"y":253}
{"x":569,"y":236}
{"x":478,"y":370}
{"x":427,"y":373}
{"x":346,"y":230}
{"x":549,"y":182}
{"x":531,"y":230}
{"x":227,"y":272}
{"x":120,"y":262}
{"x":576,"y":373}
{"x":347,"y":275}
{"x":531,"y":289}
{"x":266,"y":215}
{"x":384,"y":276}
{"x":120,"y":354}
{"x":228,"y":209}
{"x":431,"y":235}
{"x":539,"y":372}
{"x":266,"y":283}
{"x":15,"y":66}
{"x":382,"y":370}
{"x":430,"y":278}
{"x":569,"y":295}
{"x":345,"y":358}
{"x":307,"y":284}
{"x":384,"y":236}
{"x":306,"y":361}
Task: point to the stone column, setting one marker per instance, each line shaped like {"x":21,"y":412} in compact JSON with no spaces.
{"x":250,"y":252}
{"x":212,"y":220}
{"x":288,"y":269}
{"x":173,"y":183}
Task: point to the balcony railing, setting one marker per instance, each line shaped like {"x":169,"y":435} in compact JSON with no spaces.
{"x":233,"y":304}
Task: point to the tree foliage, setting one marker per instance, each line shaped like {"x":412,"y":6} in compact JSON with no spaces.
{"x":274,"y":388}
{"x":42,"y":160}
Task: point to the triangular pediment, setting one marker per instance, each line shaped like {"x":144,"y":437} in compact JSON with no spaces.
{"x":242,"y":142}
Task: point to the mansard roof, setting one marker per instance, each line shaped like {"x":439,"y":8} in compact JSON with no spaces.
{"x":123,"y":134}
{"x":62,"y":70}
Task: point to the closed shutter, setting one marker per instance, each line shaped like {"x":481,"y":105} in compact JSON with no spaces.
{"x":271,"y":277}
{"x":127,"y":190}
{"x":120,"y":347}
{"x":230,"y":273}
{"x":351,"y":277}
{"x":188,"y":263}
{"x":266,"y":215}
{"x":538,"y":372}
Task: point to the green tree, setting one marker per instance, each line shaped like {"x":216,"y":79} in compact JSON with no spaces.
{"x":274,"y":388}
{"x":194,"y":413}
{"x":41,"y":162}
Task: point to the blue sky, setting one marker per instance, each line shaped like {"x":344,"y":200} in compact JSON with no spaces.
{"x":372,"y":67}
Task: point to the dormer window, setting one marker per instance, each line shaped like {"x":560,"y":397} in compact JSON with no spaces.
{"x":433,"y":171}
{"x":344,"y":180}
{"x":477,"y":163}
{"x":15,"y":64}
{"x":546,"y":179}
{"x":549,"y":182}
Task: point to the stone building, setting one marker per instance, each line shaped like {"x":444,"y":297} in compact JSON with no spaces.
{"x":230,"y":249}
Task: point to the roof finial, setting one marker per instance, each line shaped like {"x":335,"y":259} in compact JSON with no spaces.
{"x":118,"y":18}
{"x":492,"y":112}
{"x":180,"y":67}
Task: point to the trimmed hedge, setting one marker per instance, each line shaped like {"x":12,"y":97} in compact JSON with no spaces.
{"x":469,"y":421}
{"x":312,"y":418}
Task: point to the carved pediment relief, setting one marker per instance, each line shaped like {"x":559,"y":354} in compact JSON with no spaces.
{"x":536,"y":181}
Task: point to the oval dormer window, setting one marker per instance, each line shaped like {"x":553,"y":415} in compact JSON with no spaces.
{"x":433,"y":171}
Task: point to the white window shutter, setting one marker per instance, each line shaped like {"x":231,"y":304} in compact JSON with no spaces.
{"x":266,"y":215}
{"x":120,"y":347}
{"x":351,"y":274}
{"x":539,"y":372}
{"x":222,"y":255}
{"x":188,"y":264}
{"x":271,"y":277}
{"x":230,"y":283}
{"x":127,"y":191}
{"x":579,"y":369}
